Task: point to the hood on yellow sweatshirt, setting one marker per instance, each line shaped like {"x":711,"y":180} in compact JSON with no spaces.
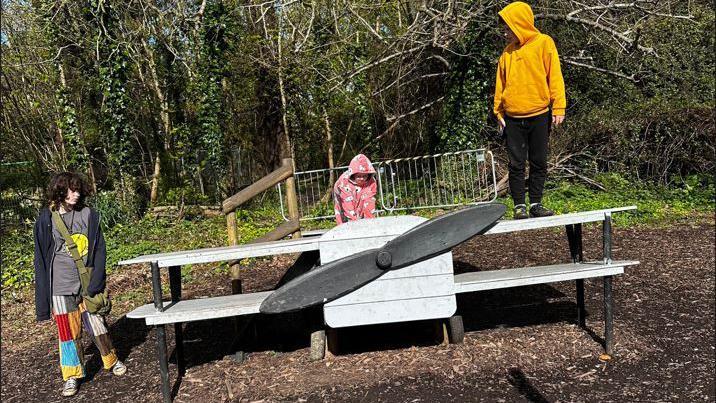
{"x":519,"y":17}
{"x":529,"y":77}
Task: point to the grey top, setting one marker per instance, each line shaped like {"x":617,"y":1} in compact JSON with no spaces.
{"x":65,"y":278}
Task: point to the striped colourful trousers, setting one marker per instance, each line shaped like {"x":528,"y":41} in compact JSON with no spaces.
{"x":69,"y":311}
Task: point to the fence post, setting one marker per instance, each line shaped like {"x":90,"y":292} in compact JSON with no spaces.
{"x":291,"y":198}
{"x":233,"y":233}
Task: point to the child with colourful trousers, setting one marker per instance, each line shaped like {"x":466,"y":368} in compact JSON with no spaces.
{"x":57,"y":281}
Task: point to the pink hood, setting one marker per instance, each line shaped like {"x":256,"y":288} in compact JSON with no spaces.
{"x":360,"y":164}
{"x":350,"y":201}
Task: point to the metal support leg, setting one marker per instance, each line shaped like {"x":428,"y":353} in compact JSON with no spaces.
{"x":578,"y":242}
{"x":163,"y":362}
{"x":579,"y":257}
{"x":161,"y":334}
{"x":157,"y":287}
{"x":581,"y":311}
{"x":608,"y":323}
{"x":607,"y":238}
{"x":175,"y":289}
{"x":607,"y":249}
{"x":570,"y":240}
{"x":574,"y":236}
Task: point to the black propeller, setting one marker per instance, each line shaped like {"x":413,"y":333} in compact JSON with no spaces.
{"x":429,"y":239}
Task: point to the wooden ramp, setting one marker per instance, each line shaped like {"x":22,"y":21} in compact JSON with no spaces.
{"x":229,"y":253}
{"x":201,"y":309}
{"x":506,"y":278}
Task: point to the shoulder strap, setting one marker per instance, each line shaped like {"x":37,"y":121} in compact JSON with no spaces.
{"x":72,"y":247}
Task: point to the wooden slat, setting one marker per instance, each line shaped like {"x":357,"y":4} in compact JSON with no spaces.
{"x":293,"y":246}
{"x":226,"y":253}
{"x":494,"y":279}
{"x":280,"y":232}
{"x":534,"y":223}
{"x":246,"y":304}
{"x":554,"y":221}
{"x":315,"y":232}
{"x":200,"y":309}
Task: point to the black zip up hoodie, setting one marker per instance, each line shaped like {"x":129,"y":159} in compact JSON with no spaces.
{"x":44,"y":250}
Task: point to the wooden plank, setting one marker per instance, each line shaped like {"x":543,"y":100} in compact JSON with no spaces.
{"x":554,"y":221}
{"x":225,"y":253}
{"x":268,"y":181}
{"x":534,"y":223}
{"x":230,"y":253}
{"x":200,"y":309}
{"x":314,"y":232}
{"x":280,"y":232}
{"x":494,"y":279}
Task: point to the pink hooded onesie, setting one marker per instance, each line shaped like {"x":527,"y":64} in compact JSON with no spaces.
{"x":350,"y":201}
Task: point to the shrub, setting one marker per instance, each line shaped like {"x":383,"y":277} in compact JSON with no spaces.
{"x":17,"y":259}
{"x":113,"y":209}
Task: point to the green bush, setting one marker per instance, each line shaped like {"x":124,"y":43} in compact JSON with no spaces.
{"x":189,"y":194}
{"x":17,"y":259}
{"x":113,"y":209}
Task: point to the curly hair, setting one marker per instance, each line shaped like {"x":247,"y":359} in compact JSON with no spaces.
{"x":60,"y":183}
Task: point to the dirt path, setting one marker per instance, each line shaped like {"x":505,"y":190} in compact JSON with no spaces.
{"x":521,"y":343}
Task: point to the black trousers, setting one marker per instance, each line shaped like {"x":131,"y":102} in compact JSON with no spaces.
{"x":527,"y":139}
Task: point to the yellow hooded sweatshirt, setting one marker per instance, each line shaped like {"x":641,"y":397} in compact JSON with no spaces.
{"x":529,"y":78}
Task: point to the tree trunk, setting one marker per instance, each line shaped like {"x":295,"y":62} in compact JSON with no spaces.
{"x":166,"y":121}
{"x":92,"y":178}
{"x":287,"y":150}
{"x":154,"y":194}
{"x":329,"y":145}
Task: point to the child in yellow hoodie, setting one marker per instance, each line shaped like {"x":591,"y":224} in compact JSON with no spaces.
{"x":529,"y":97}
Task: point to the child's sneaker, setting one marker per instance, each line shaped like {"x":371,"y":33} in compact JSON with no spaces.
{"x":119,"y":368}
{"x":70,"y":388}
{"x":538,"y":210}
{"x":520,"y":212}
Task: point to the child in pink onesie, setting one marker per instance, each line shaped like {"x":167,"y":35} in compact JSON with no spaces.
{"x":354,"y":191}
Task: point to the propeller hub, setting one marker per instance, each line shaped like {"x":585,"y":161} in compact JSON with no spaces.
{"x":384,"y":260}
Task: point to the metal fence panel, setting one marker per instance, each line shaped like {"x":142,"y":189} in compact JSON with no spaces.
{"x":430,"y":181}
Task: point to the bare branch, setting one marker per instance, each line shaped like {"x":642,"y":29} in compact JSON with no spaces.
{"x":631,"y":78}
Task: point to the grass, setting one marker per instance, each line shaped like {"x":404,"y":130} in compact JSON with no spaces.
{"x":656,"y":205}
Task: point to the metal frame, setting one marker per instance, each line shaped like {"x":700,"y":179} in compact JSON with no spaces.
{"x":574,"y":237}
{"x":391,"y":184}
{"x":608,"y":300}
{"x":572,"y":223}
{"x":175,"y":291}
{"x":480,"y":155}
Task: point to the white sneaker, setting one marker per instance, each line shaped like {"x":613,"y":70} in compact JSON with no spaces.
{"x":119,"y":368}
{"x":70,"y":388}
